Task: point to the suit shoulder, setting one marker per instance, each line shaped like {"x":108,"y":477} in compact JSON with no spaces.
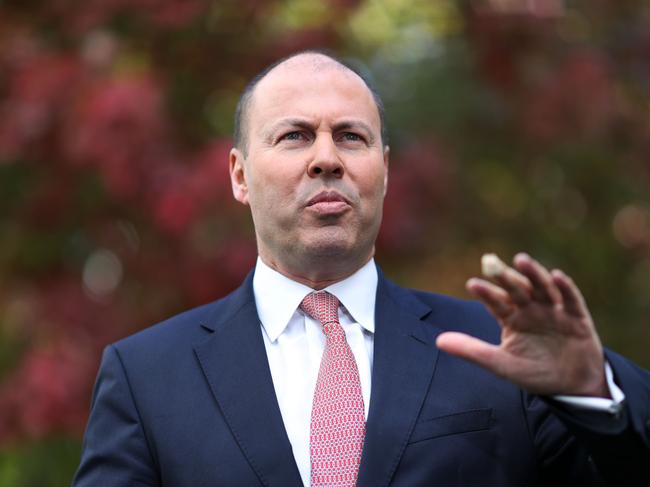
{"x":457,"y":314}
{"x":177,"y":327}
{"x":184,"y":328}
{"x":443,"y":302}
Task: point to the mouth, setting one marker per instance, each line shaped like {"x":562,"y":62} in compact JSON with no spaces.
{"x":328,"y":203}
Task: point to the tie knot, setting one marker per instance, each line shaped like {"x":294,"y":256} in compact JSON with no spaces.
{"x":321,"y":306}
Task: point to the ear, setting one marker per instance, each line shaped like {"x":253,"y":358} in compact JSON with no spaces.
{"x":238,"y":176}
{"x":386,"y":154}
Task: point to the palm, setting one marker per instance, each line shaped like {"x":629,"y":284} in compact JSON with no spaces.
{"x":548,"y":341}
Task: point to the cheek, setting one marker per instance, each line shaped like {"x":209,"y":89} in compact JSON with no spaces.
{"x":270,"y":185}
{"x":372,"y":185}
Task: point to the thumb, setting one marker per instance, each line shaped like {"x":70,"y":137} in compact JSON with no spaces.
{"x":473,"y":349}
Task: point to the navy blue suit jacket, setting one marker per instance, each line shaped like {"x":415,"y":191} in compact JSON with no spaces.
{"x":190,"y":402}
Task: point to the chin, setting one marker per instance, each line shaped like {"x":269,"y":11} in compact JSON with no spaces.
{"x":328,"y":249}
{"x":333,"y":242}
{"x":341,"y":249}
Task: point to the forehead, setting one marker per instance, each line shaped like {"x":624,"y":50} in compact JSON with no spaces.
{"x":312,"y":87}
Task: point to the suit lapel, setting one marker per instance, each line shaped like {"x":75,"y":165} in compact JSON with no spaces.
{"x":404,"y":361}
{"x":234,"y":362}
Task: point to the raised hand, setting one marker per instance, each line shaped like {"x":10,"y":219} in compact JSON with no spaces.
{"x":549,"y":344}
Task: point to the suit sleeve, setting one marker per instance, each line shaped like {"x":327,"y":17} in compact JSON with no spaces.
{"x":617,"y":446}
{"x":115,"y":450}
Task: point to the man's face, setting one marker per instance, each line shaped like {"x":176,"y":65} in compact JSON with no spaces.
{"x":315,"y":172}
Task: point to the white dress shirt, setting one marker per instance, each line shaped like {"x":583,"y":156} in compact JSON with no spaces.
{"x":295,"y":342}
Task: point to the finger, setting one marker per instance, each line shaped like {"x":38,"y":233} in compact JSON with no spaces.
{"x":516,"y":285}
{"x":495,"y":298}
{"x":473,"y":349}
{"x":543,"y":288}
{"x":574,"y":302}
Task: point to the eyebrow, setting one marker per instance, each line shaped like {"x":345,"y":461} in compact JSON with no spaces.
{"x":307,"y":125}
{"x":288,"y":123}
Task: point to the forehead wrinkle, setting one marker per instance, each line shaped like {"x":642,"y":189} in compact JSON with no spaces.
{"x":270,"y":129}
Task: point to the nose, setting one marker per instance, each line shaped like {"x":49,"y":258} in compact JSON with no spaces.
{"x":326,"y":160}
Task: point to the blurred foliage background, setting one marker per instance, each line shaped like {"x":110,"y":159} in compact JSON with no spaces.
{"x":514,"y":125}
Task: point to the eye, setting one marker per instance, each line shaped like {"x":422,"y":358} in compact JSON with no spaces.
{"x":293,"y":136}
{"x":351,"y":137}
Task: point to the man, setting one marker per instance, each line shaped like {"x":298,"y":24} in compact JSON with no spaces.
{"x":276,"y":385}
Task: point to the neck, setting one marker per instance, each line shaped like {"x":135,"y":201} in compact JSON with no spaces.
{"x":318,"y":277}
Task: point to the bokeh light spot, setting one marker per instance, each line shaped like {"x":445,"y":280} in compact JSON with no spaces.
{"x":102,"y":273}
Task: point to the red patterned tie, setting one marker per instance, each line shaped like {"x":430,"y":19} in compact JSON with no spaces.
{"x":337,"y":415}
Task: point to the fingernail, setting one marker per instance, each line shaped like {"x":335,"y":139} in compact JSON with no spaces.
{"x":492,"y":266}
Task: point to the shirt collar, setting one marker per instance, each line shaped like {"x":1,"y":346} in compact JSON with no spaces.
{"x":277,"y":297}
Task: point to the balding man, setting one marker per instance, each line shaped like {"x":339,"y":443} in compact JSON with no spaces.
{"x":319,"y":371}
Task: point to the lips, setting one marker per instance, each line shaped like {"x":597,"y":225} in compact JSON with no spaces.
{"x":328,"y":203}
{"x":327,"y":197}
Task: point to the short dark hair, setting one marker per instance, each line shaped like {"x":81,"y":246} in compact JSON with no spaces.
{"x":244,"y":103}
